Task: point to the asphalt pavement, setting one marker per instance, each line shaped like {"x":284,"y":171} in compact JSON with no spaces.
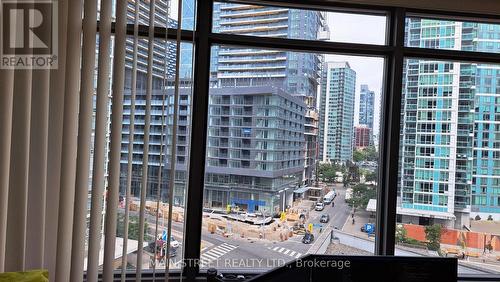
{"x":261,"y":254}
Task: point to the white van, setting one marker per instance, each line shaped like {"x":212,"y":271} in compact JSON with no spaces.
{"x":328,"y":198}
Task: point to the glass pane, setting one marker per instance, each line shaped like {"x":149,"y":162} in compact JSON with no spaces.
{"x":161,"y":137}
{"x":163,"y":18}
{"x":452,"y":35}
{"x":269,"y":21}
{"x":448,"y":193}
{"x":166,"y":13}
{"x":188,"y":13}
{"x":283,"y":176}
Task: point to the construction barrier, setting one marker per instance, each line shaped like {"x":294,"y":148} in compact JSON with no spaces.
{"x":460,"y":238}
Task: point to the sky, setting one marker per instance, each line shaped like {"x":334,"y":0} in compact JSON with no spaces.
{"x":369,"y":70}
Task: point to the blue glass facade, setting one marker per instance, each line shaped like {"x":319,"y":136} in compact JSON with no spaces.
{"x":366,"y":106}
{"x":336,"y":122}
{"x":486,"y":166}
{"x":448,"y":142}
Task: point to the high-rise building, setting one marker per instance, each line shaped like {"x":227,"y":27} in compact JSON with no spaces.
{"x":485,"y":201}
{"x":366,"y":106}
{"x":255,"y":148}
{"x":311,"y":132}
{"x":160,"y":134}
{"x":449,"y":165}
{"x":362,"y":136}
{"x":259,"y":73}
{"x":288,"y":76}
{"x":336,"y":122}
{"x":296,"y":73}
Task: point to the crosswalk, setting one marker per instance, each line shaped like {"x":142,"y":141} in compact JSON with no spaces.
{"x":213,"y":254}
{"x":286,"y":251}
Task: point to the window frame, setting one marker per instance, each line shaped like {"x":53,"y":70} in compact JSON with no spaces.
{"x":394,"y":53}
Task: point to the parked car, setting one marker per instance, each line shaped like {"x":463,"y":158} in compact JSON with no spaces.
{"x":308,"y":238}
{"x":363,"y":227}
{"x":174,"y":243}
{"x":324,"y":218}
{"x":320,"y":206}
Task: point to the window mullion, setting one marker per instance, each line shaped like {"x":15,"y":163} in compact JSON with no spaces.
{"x":389,"y":141}
{"x":193,"y":219}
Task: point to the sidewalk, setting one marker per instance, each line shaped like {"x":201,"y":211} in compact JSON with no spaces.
{"x":361,"y":217}
{"x":318,"y":246}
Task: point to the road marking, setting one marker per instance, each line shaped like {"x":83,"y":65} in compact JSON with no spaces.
{"x":286,"y":251}
{"x":226,"y":247}
{"x":210,"y":256}
{"x":220,"y":253}
{"x":215,"y":253}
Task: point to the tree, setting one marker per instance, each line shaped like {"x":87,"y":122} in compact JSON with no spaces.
{"x":371,"y":153}
{"x":367,"y":154}
{"x":433,"y":236}
{"x":371,"y":176}
{"x":327,"y":172}
{"x":329,"y":175}
{"x":361,"y":194}
{"x":133,"y":227}
{"x":358,"y":156}
{"x":350,"y":173}
{"x":401,"y":234}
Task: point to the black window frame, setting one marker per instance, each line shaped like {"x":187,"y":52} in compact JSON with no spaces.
{"x":394,"y":53}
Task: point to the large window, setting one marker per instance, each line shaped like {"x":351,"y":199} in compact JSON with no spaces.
{"x":297,"y":138}
{"x":299,"y":151}
{"x":243,"y":134}
{"x":447,"y":177}
{"x":292,"y":156}
{"x":151,"y":208}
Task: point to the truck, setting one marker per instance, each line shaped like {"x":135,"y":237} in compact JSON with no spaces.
{"x":328,"y":198}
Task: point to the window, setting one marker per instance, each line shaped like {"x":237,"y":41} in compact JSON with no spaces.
{"x":425,"y":32}
{"x":280,"y":147}
{"x":282,"y":118}
{"x":454,"y":167}
{"x":160,"y":149}
{"x":269,"y":21}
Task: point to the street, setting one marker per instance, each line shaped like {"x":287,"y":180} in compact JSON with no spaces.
{"x":250,"y":254}
{"x":235,"y":252}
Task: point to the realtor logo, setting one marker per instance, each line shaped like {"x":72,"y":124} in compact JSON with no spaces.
{"x":28,"y":34}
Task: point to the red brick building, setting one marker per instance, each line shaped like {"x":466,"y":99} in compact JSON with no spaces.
{"x":362,"y":136}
